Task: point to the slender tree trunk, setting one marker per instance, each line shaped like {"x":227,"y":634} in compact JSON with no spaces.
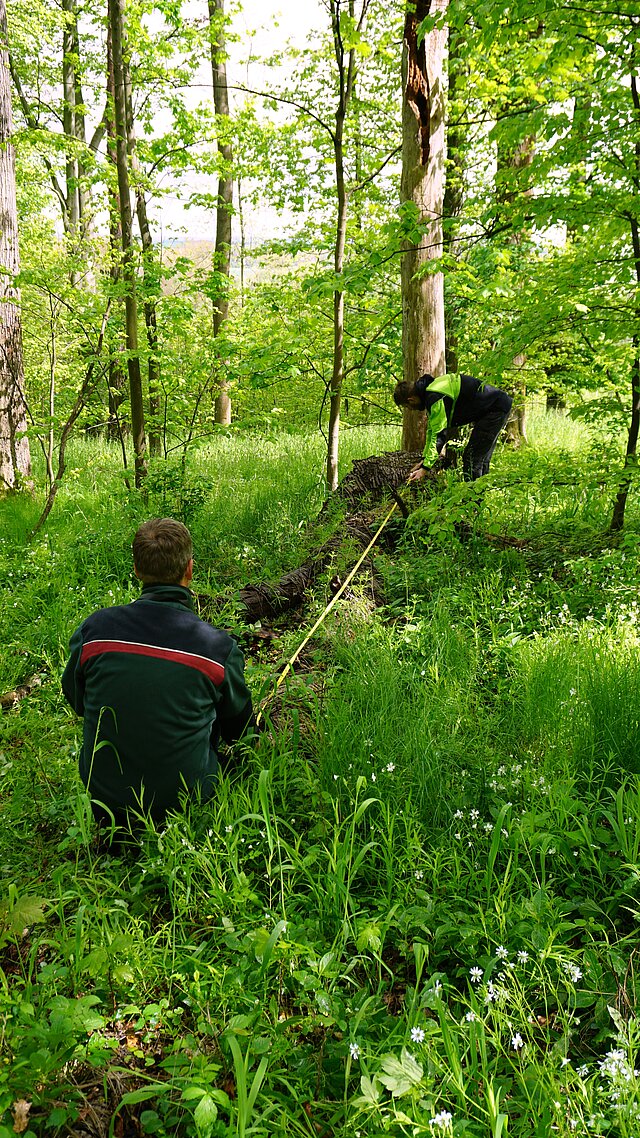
{"x":631,"y":461}
{"x":69,"y":39}
{"x":116,"y":375}
{"x":346,"y":64}
{"x":337,"y":373}
{"x":224,"y":207}
{"x":243,"y":240}
{"x":151,"y":284}
{"x":454,"y":184}
{"x":15,"y":458}
{"x":116,"y":20}
{"x":422,"y":185}
{"x":516,"y":159}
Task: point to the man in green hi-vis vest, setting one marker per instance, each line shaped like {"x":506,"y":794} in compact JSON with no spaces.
{"x":451,"y":401}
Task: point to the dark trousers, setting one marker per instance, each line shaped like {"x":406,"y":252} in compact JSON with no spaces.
{"x":484,"y":436}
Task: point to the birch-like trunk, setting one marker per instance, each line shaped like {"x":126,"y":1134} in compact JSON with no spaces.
{"x":15,"y":458}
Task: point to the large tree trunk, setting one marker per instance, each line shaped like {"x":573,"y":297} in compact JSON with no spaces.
{"x":422,"y":186}
{"x":15,"y":459}
{"x":116,"y":21}
{"x":224,"y":206}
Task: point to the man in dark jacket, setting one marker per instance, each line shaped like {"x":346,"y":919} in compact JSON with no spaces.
{"x":451,"y":401}
{"x":157,"y":687}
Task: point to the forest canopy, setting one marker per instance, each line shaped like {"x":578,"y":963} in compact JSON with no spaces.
{"x":528,"y":232}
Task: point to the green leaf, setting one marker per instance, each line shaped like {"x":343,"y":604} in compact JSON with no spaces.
{"x":400,"y":1075}
{"x":205,"y":1116}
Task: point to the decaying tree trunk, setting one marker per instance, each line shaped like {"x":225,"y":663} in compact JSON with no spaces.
{"x":371,"y":481}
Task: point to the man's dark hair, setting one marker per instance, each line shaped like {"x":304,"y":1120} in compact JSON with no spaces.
{"x":162,"y":549}
{"x":402,"y":391}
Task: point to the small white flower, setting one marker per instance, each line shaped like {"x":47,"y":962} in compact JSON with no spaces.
{"x":336,"y":777}
{"x":228,"y":829}
{"x":471,"y":1017}
{"x":458,"y":814}
{"x":564,"y":1062}
{"x":373,"y":776}
{"x":517,"y":1042}
{"x":390,"y":767}
{"x":523,"y":956}
{"x":417,"y":1035}
{"x":419,"y":874}
{"x":442,"y":1120}
{"x":355,"y":1050}
{"x":501,"y":952}
{"x":476,"y":974}
{"x":582,"y":1071}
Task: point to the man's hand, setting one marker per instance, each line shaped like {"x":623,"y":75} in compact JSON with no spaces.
{"x":417,"y":473}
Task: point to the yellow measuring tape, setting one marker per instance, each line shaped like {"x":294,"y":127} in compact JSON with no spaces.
{"x":327,"y":610}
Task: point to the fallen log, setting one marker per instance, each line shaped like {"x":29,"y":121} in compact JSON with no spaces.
{"x":266,"y":601}
{"x":370,"y":481}
{"x":11,"y":699}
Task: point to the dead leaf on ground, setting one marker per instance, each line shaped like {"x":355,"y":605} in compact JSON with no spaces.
{"x":20,"y":1111}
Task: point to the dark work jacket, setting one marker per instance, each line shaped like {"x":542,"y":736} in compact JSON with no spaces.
{"x":464,"y":400}
{"x":157,"y":687}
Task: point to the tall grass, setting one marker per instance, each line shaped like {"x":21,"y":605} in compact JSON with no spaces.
{"x":412,"y":908}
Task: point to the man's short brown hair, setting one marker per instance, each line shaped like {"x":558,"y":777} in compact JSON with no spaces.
{"x":402,"y":391}
{"x":162,"y":549}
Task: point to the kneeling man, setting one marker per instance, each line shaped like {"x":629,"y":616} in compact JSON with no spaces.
{"x":157,"y":686}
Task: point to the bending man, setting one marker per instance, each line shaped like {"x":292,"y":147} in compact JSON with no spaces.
{"x":157,"y":687}
{"x":451,"y":401}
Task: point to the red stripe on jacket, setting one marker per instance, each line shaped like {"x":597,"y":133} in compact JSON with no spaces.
{"x":202,"y":664}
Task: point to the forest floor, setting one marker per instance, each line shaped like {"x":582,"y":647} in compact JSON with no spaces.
{"x":412,"y":908}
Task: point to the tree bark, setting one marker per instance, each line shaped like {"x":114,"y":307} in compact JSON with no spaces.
{"x":69,"y":117}
{"x":116,"y":20}
{"x":116,"y":377}
{"x":631,"y":460}
{"x":15,"y":457}
{"x":518,"y":158}
{"x":422,"y":186}
{"x":454,"y":183}
{"x":346,"y":64}
{"x":224,"y":206}
{"x":149,"y":268}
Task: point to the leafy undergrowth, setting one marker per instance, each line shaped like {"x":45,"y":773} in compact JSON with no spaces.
{"x":410,"y":910}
